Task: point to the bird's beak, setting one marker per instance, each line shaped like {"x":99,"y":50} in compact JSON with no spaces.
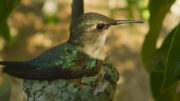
{"x":117,"y":22}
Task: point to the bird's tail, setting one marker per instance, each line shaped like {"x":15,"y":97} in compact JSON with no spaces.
{"x":12,"y":66}
{"x":17,"y":69}
{"x":1,"y":68}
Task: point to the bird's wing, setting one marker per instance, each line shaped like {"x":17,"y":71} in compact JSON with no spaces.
{"x":61,"y":62}
{"x":54,"y":57}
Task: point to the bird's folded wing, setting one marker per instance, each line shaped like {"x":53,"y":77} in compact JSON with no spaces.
{"x":61,"y":62}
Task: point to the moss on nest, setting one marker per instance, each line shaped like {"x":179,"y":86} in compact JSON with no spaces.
{"x":100,"y":87}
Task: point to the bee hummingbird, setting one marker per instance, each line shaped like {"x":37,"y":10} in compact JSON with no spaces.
{"x":78,"y":57}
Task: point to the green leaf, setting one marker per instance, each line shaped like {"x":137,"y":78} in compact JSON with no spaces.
{"x":172,"y":73}
{"x":158,"y":59}
{"x":6,"y":7}
{"x":4,"y":31}
{"x":156,"y":66}
{"x":156,"y":80}
{"x":158,"y":9}
{"x":167,"y":41}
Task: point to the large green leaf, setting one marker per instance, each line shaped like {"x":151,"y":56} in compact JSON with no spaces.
{"x":156,"y":80}
{"x":156,"y":66}
{"x":158,"y":9}
{"x":172,"y":73}
{"x":158,"y":59}
{"x":6,"y":7}
{"x":4,"y":31}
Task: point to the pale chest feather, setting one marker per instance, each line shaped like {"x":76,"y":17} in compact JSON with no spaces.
{"x":95,"y":48}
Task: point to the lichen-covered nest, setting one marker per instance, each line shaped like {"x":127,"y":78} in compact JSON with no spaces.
{"x":101,"y":87}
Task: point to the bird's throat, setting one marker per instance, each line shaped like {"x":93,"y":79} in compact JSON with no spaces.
{"x":96,"y":48}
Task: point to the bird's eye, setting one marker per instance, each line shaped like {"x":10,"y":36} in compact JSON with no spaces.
{"x":100,"y":26}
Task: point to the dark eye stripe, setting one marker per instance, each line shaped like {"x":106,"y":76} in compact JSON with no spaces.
{"x":100,"y":26}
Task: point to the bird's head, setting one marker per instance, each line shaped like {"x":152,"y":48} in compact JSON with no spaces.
{"x":89,"y":32}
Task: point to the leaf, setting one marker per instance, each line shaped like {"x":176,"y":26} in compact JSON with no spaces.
{"x":158,"y":9}
{"x":167,"y":41}
{"x":172,"y":73}
{"x":6,"y":7}
{"x":156,"y":66}
{"x":4,"y":31}
{"x":156,"y":80}
{"x":157,"y":61}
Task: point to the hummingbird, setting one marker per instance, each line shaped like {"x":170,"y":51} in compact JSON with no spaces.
{"x":78,"y":57}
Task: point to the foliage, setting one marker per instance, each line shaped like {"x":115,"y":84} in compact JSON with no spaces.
{"x":162,"y":63}
{"x":4,"y":32}
{"x":172,"y":72}
{"x":6,"y":7}
{"x":158,"y":10}
{"x":132,"y":5}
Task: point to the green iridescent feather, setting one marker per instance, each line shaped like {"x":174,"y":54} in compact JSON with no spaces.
{"x":64,"y":54}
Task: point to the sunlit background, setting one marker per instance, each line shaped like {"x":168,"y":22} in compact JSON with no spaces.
{"x":37,"y":25}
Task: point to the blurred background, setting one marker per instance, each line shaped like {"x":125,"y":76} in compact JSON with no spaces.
{"x":37,"y":25}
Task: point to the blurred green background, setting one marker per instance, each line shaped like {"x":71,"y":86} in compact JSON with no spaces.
{"x":36,"y":25}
